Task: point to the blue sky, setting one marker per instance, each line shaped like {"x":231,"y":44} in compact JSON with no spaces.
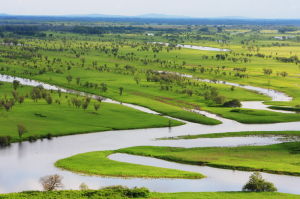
{"x":193,"y":8}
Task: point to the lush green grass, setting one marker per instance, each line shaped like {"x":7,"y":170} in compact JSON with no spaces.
{"x":107,"y":194}
{"x":236,"y":134}
{"x":252,"y":116}
{"x":97,"y":163}
{"x":146,"y":93}
{"x":41,"y":119}
{"x":278,"y":158}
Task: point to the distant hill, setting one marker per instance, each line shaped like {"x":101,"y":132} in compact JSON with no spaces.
{"x":161,"y":16}
{"x":149,"y":16}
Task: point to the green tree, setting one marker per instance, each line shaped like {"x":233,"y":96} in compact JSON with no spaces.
{"x":69,"y":78}
{"x":121,"y":89}
{"x":16,"y":84}
{"x":96,"y":106}
{"x":257,"y":184}
{"x":21,"y":130}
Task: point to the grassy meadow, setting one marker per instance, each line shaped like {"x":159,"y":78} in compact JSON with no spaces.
{"x":61,"y":117}
{"x":97,"y":163}
{"x":279,"y":158}
{"x":238,"y":134}
{"x":128,"y":61}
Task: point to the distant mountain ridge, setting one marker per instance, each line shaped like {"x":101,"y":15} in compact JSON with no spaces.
{"x":154,"y":16}
{"x":161,"y":16}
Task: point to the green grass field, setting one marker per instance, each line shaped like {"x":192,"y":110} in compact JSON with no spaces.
{"x":41,"y":118}
{"x":278,"y":158}
{"x":103,"y":194}
{"x":93,"y":60}
{"x":97,"y":163}
{"x":237,"y":134}
{"x":252,"y":116}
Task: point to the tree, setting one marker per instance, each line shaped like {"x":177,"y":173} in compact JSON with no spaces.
{"x":69,"y":78}
{"x":16,"y":84}
{"x":96,"y":106}
{"x":137,"y":79}
{"x":21,"y":99}
{"x":267,"y":71}
{"x":77,"y":80}
{"x":232,"y":103}
{"x":257,"y":184}
{"x":85,"y":105}
{"x":284,"y":74}
{"x":121,"y":90}
{"x":103,"y":87}
{"x":48,"y":99}
{"x":21,"y":129}
{"x":51,"y":182}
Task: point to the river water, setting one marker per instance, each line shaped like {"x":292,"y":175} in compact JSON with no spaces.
{"x":22,"y":164}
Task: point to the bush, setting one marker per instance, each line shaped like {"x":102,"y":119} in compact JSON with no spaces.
{"x":130,"y":193}
{"x":232,"y":103}
{"x":32,"y":138}
{"x":5,"y":140}
{"x":257,"y":184}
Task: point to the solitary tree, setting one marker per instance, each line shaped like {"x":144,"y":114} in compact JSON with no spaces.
{"x":257,"y":184}
{"x":85,"y":105}
{"x":16,"y":84}
{"x":48,"y":99}
{"x":121,"y":90}
{"x":103,"y":87}
{"x":21,"y":129}
{"x":77,"y":80}
{"x":51,"y":182}
{"x":137,"y":79}
{"x":267,"y":71}
{"x":96,"y":106}
{"x":69,"y":78}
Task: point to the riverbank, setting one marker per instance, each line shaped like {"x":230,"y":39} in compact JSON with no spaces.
{"x":106,"y":194}
{"x":98,"y":163}
{"x":237,"y":134}
{"x":278,"y":158}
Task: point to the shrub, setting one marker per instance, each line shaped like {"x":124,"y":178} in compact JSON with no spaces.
{"x":257,"y":184}
{"x":5,"y":140}
{"x":232,"y":103}
{"x":130,"y":193}
{"x":49,"y":136}
{"x":32,"y":138}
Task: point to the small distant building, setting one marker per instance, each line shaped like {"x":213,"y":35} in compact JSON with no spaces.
{"x":150,"y":34}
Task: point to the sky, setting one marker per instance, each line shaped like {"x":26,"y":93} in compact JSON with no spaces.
{"x":191,"y":8}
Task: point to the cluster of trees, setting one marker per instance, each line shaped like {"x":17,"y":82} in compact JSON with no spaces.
{"x":292,"y":59}
{"x":213,"y":95}
{"x":239,"y":72}
{"x":8,"y":103}
{"x":268,"y":71}
{"x":84,"y":103}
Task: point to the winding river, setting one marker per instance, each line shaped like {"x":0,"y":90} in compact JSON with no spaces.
{"x":204,"y":48}
{"x":22,"y":164}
